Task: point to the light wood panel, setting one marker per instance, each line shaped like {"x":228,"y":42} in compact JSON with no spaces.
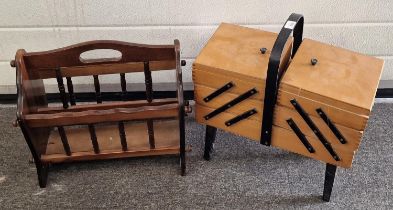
{"x":235,"y":50}
{"x":353,"y":137}
{"x":341,"y":78}
{"x":337,"y":115}
{"x":216,"y":81}
{"x":281,"y":138}
{"x":206,"y":83}
{"x":281,"y":114}
{"x":202,"y":91}
{"x":342,"y":84}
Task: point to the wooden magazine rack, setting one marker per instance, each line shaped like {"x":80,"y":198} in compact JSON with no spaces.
{"x":76,"y":132}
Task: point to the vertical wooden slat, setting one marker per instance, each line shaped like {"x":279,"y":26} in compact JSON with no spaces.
{"x":70,"y":88}
{"x":149,"y":98}
{"x":122,"y":132}
{"x":122,"y":135}
{"x":150,"y":131}
{"x":97,"y":89}
{"x":93,"y":138}
{"x":123,"y":86}
{"x":60,"y":84}
{"x":148,"y":82}
{"x":64,"y":140}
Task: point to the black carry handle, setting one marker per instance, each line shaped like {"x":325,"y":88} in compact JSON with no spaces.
{"x":294,"y":23}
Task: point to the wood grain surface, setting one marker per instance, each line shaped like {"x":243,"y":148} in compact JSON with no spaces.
{"x":341,"y":78}
{"x":235,"y":51}
{"x":281,"y":138}
{"x":166,"y":139}
{"x":342,"y":83}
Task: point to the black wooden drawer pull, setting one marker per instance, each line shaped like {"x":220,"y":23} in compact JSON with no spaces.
{"x":300,"y":134}
{"x":331,"y":125}
{"x":232,"y":103}
{"x":218,"y":92}
{"x":315,"y":129}
{"x":240,"y":117}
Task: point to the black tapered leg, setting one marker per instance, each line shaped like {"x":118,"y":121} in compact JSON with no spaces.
{"x":42,"y":172}
{"x":329,"y":180}
{"x":210,"y":136}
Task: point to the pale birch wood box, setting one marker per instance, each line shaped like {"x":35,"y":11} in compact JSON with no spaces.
{"x":336,"y":93}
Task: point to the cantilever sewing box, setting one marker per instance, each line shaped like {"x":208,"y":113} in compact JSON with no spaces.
{"x":303,"y":96}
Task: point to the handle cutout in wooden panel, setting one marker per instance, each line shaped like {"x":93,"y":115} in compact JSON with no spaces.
{"x":100,"y":55}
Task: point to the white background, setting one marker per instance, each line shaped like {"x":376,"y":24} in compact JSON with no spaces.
{"x":361,"y":25}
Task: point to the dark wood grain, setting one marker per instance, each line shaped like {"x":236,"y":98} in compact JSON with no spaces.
{"x":70,"y":56}
{"x":100,"y":116}
{"x":76,"y":71}
{"x":31,"y":96}
{"x":83,"y":156}
{"x":37,"y":120}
